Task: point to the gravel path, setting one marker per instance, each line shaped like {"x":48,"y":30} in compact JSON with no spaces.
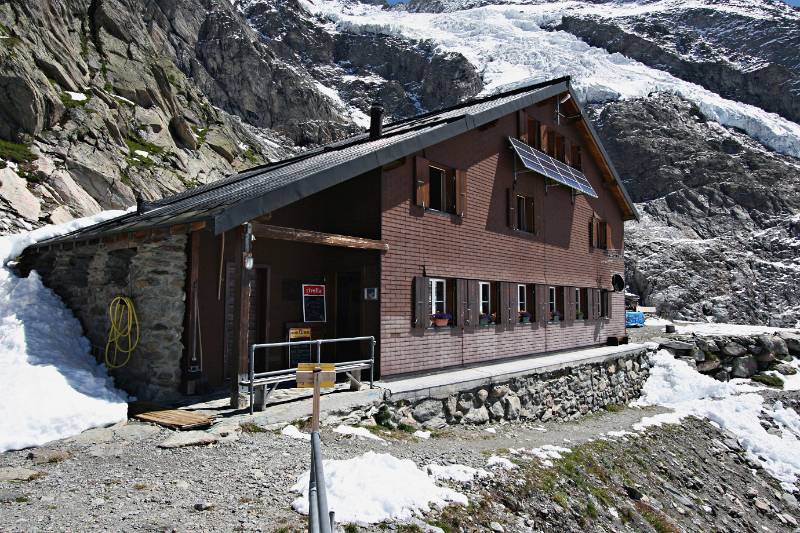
{"x":118,"y":479}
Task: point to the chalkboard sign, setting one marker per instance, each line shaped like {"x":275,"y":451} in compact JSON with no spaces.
{"x":302,"y":353}
{"x":313,"y":303}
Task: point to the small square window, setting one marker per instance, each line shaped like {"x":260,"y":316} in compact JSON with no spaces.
{"x":525,"y":214}
{"x":522,"y":299}
{"x":442,"y":190}
{"x":485,"y":301}
{"x":438,"y":296}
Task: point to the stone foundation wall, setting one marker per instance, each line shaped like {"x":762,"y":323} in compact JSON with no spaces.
{"x":564,"y":394}
{"x":153,"y":275}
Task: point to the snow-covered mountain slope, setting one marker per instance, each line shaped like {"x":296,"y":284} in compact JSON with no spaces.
{"x":512,"y":43}
{"x":696,"y":101}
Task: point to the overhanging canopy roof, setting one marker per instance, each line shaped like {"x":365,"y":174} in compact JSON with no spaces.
{"x":552,"y":168}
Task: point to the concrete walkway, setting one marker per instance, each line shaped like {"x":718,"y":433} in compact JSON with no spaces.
{"x":442,"y":384}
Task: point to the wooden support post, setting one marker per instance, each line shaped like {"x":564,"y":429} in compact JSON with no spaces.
{"x":194,"y":363}
{"x":239,"y":363}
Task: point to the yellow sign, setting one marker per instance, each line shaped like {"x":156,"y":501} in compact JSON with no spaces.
{"x":299,"y":333}
{"x":305,"y":375}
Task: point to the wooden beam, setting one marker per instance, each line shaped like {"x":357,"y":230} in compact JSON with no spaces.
{"x":240,"y":360}
{"x":267,"y":231}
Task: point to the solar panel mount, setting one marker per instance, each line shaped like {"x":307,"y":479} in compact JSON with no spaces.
{"x":550,"y":167}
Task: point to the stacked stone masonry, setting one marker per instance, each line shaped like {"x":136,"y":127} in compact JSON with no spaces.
{"x":153,"y":275}
{"x":563,"y":394}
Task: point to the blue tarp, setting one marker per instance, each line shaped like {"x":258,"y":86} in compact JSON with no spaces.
{"x":634,"y":319}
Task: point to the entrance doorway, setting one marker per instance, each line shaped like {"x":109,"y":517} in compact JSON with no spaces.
{"x":348,"y":313}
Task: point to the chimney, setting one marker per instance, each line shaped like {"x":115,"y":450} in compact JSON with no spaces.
{"x":375,"y":121}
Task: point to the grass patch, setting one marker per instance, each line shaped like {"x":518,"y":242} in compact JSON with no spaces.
{"x":406,"y":427}
{"x":21,"y":499}
{"x":201,"y":135}
{"x":139,"y":486}
{"x":614,"y":407}
{"x":561,"y":499}
{"x":656,"y":518}
{"x":135,"y":142}
{"x":350,"y":528}
{"x":16,"y":152}
{"x":249,"y":427}
{"x":766,"y":379}
{"x":591,"y":510}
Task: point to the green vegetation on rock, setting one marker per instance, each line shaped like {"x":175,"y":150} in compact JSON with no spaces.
{"x":16,"y":152}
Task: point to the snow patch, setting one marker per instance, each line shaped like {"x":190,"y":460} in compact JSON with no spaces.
{"x":361,"y":433}
{"x":51,"y":387}
{"x":500,"y":462}
{"x":293,"y":433}
{"x":374,"y":487}
{"x":76,"y":97}
{"x":459,"y":473}
{"x":424,"y":435}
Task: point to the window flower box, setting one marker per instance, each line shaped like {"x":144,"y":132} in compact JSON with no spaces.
{"x":441,"y":320}
{"x":525,"y":317}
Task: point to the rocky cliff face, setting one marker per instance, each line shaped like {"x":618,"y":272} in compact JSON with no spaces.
{"x":719,"y":230}
{"x":103,"y":100}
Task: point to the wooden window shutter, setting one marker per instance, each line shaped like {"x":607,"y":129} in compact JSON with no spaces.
{"x":422,"y":310}
{"x":591,"y":232}
{"x":512,"y":208}
{"x":522,"y":126}
{"x":541,"y":303}
{"x":474,"y":304}
{"x":513,"y":304}
{"x":503,"y":311}
{"x":609,"y":301}
{"x":569,"y":304}
{"x":590,"y":304}
{"x":422,"y":181}
{"x":461,"y":303}
{"x":461,"y":192}
{"x":609,"y":242}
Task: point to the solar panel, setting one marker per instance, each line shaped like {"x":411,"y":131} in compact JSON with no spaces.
{"x":552,"y":168}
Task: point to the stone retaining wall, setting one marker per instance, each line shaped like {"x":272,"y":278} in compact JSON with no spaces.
{"x":153,"y":274}
{"x":563,"y":394}
{"x":734,"y":356}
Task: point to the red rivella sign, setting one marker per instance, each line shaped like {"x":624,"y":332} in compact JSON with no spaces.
{"x":313,"y":290}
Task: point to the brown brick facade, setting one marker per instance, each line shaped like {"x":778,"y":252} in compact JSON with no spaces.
{"x":482,"y":246}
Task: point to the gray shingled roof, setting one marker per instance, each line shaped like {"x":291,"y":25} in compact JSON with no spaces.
{"x":232,"y":201}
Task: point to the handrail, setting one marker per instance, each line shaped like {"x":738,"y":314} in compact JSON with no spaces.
{"x":290,"y":372}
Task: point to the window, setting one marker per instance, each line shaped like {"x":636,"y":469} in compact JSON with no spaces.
{"x":575,"y":157}
{"x":486,"y":301}
{"x":522,"y":299}
{"x":525,"y":220}
{"x":581,"y":304}
{"x":559,"y":150}
{"x":596,"y":303}
{"x":442,"y":190}
{"x":438,"y":296}
{"x":534,"y":135}
{"x":598,"y":233}
{"x":551,"y":303}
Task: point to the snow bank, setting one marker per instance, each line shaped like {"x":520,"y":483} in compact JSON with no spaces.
{"x":732,"y":406}
{"x":50,"y":385}
{"x":711,"y":328}
{"x":509,"y":45}
{"x":374,"y":487}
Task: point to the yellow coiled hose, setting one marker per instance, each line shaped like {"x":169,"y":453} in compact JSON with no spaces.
{"x":124,"y":331}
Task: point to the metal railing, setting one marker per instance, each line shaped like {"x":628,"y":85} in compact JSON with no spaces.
{"x":319,"y":519}
{"x":290,"y":374}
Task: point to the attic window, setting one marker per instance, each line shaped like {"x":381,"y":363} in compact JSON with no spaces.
{"x":442,"y":190}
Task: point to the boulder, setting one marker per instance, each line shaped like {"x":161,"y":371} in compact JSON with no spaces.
{"x":792,"y":341}
{"x":481,"y":395}
{"x":496,"y":410}
{"x":697,"y":354}
{"x":42,"y":456}
{"x":427,"y":409}
{"x":673,"y":344}
{"x":499,"y":391}
{"x":722,"y":375}
{"x":743,"y":367}
{"x":435,"y":423}
{"x":708,"y":365}
{"x":733,"y":349}
{"x":765,"y":359}
{"x":478,"y":415}
{"x":513,"y":406}
{"x":182,"y":133}
{"x":785,"y":369}
{"x":779,"y":346}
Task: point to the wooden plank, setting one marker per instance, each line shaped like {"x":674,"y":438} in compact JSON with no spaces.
{"x":171,"y":418}
{"x":315,"y":237}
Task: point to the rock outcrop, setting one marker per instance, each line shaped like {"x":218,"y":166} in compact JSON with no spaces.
{"x":719,"y":230}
